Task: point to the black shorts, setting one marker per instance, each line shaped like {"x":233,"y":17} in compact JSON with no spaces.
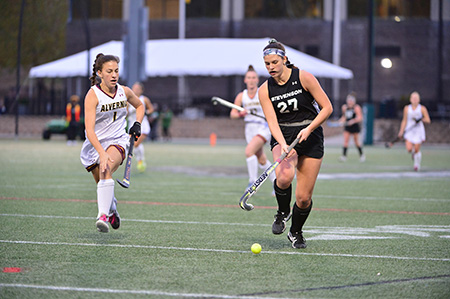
{"x":311,"y":147}
{"x":352,"y":129}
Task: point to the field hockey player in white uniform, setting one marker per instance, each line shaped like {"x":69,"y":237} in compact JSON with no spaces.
{"x":412,"y":128}
{"x":105,"y":111}
{"x":257,"y":131}
{"x":138,"y":152}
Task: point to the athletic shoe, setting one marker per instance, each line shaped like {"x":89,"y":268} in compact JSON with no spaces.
{"x":102,"y":224}
{"x":342,"y":158}
{"x":114,"y":219}
{"x":362,"y":158}
{"x":297,"y":240}
{"x":279,"y":224}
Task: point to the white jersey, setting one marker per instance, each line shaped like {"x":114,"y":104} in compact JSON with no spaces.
{"x":110,"y":124}
{"x":252,"y":105}
{"x":110,"y":113}
{"x":414,"y":132}
{"x":145,"y":126}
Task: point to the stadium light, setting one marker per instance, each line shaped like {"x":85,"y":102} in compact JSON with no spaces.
{"x":386,"y":63}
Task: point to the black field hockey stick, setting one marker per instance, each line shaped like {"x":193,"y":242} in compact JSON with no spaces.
{"x":262,"y":178}
{"x":217,"y":100}
{"x":125,"y":182}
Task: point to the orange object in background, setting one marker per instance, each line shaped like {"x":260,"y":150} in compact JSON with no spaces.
{"x":213,"y":139}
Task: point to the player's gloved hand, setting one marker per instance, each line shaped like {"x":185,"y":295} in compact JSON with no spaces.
{"x":418,"y":120}
{"x":135,"y":130}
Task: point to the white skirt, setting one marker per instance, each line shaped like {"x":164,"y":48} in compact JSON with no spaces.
{"x":416,"y":134}
{"x":89,"y":155}
{"x":254,"y":129}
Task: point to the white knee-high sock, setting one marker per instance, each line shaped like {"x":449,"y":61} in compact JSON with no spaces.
{"x":264,"y":167}
{"x":252,"y":167}
{"x":105,"y":195}
{"x":417,"y":159}
{"x":137,"y":152}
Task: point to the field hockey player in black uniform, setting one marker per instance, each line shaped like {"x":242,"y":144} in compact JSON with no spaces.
{"x":295,"y":105}
{"x":352,"y":117}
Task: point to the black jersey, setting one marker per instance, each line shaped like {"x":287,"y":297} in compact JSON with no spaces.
{"x":291,"y":102}
{"x":350,"y":114}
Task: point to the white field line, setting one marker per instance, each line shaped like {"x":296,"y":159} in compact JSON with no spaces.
{"x":134,"y":292}
{"x":136,"y":220}
{"x":384,"y":175}
{"x":414,"y":230}
{"x":382,"y":198}
{"x":223,"y":250}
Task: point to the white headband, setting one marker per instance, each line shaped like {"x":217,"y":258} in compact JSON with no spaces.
{"x":275,"y":51}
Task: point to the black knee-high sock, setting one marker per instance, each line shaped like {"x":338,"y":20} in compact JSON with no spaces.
{"x":299,"y":217}
{"x":283,"y":197}
{"x":360,"y":150}
{"x":344,"y":151}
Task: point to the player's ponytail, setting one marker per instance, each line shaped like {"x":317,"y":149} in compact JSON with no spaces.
{"x":289,"y":64}
{"x":93,"y":78}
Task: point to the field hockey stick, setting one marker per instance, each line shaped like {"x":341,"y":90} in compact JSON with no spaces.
{"x":217,"y":100}
{"x":334,"y":124}
{"x":389,"y":144}
{"x":262,"y":178}
{"x":127,"y":173}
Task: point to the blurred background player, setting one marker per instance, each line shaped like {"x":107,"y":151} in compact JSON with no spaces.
{"x":73,"y":113}
{"x":351,"y":119}
{"x":138,"y":151}
{"x":105,"y":110}
{"x":257,"y":131}
{"x":166,"y":120}
{"x":295,"y":105}
{"x":412,"y":128}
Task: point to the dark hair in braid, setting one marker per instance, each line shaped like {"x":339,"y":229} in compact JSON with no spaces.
{"x":274,"y":44}
{"x":98,"y":65}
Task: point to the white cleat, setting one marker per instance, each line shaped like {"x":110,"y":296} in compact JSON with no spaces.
{"x":102,"y":224}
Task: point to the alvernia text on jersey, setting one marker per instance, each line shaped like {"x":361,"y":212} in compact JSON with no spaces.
{"x":286,"y":95}
{"x":113,"y":106}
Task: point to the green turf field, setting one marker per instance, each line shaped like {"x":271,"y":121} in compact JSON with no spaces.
{"x":377,"y":229}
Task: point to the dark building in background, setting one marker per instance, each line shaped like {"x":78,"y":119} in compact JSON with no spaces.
{"x":408,"y":33}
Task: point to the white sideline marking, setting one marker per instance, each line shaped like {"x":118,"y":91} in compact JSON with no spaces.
{"x":383,"y":175}
{"x":137,"y":220}
{"x":382,"y":198}
{"x":225,"y":250}
{"x":117,"y":291}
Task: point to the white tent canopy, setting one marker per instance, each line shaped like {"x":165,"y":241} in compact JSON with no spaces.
{"x":191,"y":57}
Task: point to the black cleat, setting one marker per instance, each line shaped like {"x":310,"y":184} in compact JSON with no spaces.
{"x":279,"y":224}
{"x":114,"y":219}
{"x":297,"y":240}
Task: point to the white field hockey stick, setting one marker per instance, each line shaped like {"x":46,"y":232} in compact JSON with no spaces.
{"x":127,"y":173}
{"x":217,"y":100}
{"x":262,"y":178}
{"x":335,"y":124}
